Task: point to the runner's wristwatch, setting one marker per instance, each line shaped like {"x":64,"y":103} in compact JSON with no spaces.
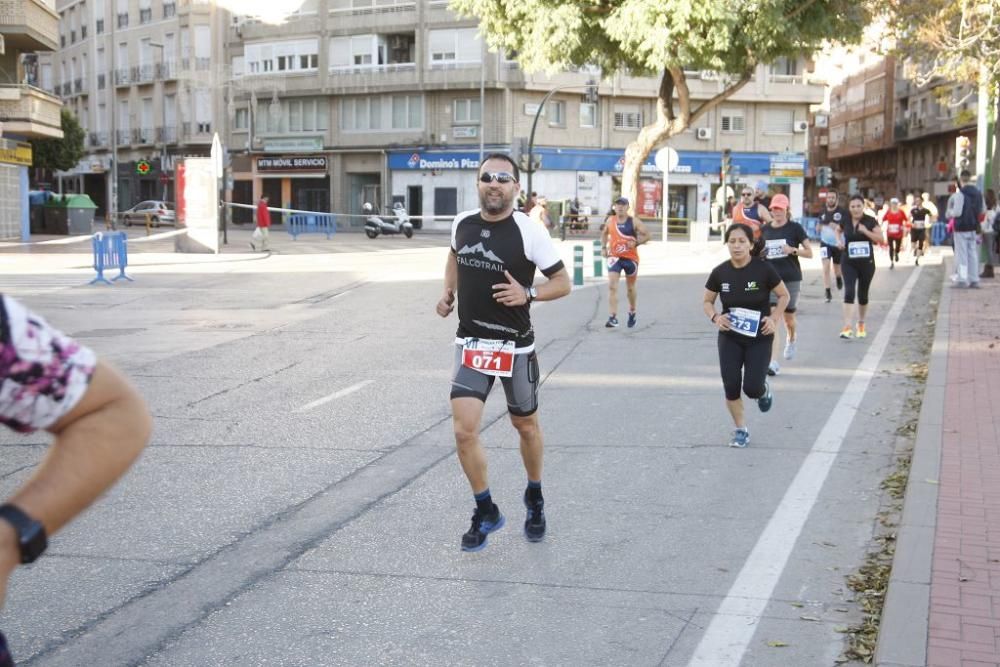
{"x":31,"y":539}
{"x":532,"y":294}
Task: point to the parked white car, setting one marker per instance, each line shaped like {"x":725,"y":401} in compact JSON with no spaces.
{"x":160,"y":213}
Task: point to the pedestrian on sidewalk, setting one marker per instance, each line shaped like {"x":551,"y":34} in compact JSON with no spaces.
{"x":746,"y":325}
{"x":620,"y":240}
{"x":495,"y":251}
{"x":100,"y":424}
{"x":858,"y":233}
{"x":990,"y":235}
{"x":966,"y":207}
{"x":261,"y":231}
{"x":784,"y":241}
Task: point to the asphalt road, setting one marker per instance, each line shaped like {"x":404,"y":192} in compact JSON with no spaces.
{"x":301,"y":502}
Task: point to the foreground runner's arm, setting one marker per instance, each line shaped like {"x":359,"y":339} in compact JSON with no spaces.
{"x":100,"y":426}
{"x":447,"y":302}
{"x":708,"y":305}
{"x":513,"y":293}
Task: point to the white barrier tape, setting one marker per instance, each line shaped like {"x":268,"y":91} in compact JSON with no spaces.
{"x":389,"y":215}
{"x":157,"y":237}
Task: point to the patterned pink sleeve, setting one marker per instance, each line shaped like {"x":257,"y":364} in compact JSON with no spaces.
{"x":43,"y":372}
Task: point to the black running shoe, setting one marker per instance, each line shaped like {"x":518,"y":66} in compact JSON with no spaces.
{"x":475,"y":539}
{"x":829,"y":295}
{"x":840,"y":283}
{"x":534,"y":523}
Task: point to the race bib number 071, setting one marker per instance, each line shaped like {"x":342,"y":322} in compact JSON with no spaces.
{"x":490,"y":357}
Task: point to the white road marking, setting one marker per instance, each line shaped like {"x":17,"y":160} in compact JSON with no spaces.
{"x":334,"y":396}
{"x":728,"y":635}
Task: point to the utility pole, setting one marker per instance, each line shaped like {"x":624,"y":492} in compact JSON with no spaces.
{"x":112,"y":213}
{"x":163,"y":114}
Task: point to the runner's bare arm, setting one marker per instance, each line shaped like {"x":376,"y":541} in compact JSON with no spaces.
{"x":605,"y":234}
{"x":446,"y":303}
{"x":642,"y":234}
{"x":708,"y":305}
{"x":770,"y":322}
{"x":764,"y":214}
{"x":806,"y":250}
{"x":94,"y":445}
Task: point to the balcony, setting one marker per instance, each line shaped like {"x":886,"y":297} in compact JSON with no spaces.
{"x":78,"y":86}
{"x":97,"y":139}
{"x":142,"y":135}
{"x":352,"y":78}
{"x":166,"y":71}
{"x":169,"y":9}
{"x":166,"y":135}
{"x":30,"y":111}
{"x":122,"y":77}
{"x":142,"y":74}
{"x":122,"y":137}
{"x":145,"y":15}
{"x":29,"y":25}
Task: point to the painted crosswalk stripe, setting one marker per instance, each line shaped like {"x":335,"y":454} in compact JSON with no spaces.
{"x":334,"y":396}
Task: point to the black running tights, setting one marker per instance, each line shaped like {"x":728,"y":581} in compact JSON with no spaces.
{"x":894,"y":247}
{"x":859,"y":275}
{"x":743,"y":361}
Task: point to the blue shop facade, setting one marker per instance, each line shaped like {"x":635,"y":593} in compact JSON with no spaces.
{"x":442,"y":182}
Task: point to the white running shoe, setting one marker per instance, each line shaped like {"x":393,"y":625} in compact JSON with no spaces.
{"x":773,"y":368}
{"x":789,"y":350}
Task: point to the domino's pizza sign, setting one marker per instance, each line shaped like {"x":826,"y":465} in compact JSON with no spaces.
{"x":414,"y":161}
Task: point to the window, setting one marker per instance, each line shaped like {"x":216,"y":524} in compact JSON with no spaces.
{"x":628,"y":119}
{"x":778,"y":121}
{"x":588,"y":114}
{"x":386,"y":112}
{"x":467,"y":111}
{"x":557,"y":113}
{"x":733,"y":121}
{"x":293,"y":56}
{"x":169,"y":9}
{"x":306,"y":114}
{"x":457,"y":45}
{"x":785,"y":67}
{"x":99,"y":27}
{"x":241,"y":121}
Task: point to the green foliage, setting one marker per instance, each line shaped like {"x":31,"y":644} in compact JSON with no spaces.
{"x":60,"y":154}
{"x":642,"y":37}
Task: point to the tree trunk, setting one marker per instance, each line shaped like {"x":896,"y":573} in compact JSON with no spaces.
{"x":668,"y":123}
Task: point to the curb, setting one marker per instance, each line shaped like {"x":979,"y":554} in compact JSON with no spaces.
{"x":902,"y":638}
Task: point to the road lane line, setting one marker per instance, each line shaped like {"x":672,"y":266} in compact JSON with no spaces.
{"x":735,"y":622}
{"x":334,"y":396}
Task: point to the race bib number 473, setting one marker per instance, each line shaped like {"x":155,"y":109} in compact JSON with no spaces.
{"x":744,"y":321}
{"x":859,"y":249}
{"x":490,"y":357}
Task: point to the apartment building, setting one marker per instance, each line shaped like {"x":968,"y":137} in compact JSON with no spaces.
{"x":27,"y":27}
{"x":351,"y":101}
{"x":889,"y":136}
{"x":141,"y":77}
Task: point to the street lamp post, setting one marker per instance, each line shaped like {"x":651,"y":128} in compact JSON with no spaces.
{"x":163,"y":115}
{"x":590,"y":86}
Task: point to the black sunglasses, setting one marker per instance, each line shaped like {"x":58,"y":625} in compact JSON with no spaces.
{"x":498,"y":176}
{"x":747,"y":194}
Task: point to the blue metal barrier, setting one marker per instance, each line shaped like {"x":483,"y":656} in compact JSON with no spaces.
{"x":811,"y":225}
{"x":312,"y":223}
{"x":939,"y":233}
{"x":110,"y":252}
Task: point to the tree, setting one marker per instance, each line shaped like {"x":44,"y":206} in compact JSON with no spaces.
{"x":664,"y":37}
{"x":60,"y":154}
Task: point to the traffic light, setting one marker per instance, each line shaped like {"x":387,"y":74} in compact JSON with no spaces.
{"x":727,"y":161}
{"x":963,"y":153}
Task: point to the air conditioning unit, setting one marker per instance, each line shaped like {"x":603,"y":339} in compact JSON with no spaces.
{"x":709,"y":75}
{"x":800,"y":126}
{"x":704,"y":133}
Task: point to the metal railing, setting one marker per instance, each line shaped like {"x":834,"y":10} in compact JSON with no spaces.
{"x":122,"y":77}
{"x":169,"y":9}
{"x":166,"y":70}
{"x":122,"y":137}
{"x":373,"y":69}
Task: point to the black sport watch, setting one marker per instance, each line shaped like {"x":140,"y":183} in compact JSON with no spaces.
{"x":532,"y":294}
{"x":31,"y":539}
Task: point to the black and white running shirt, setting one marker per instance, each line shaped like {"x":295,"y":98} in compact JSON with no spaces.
{"x":484,"y":250}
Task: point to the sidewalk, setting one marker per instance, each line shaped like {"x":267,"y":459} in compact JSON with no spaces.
{"x":943,"y":603}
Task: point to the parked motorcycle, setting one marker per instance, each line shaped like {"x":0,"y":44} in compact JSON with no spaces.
{"x":375,"y":224}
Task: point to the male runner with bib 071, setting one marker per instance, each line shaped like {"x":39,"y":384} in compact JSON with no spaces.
{"x":491,"y":267}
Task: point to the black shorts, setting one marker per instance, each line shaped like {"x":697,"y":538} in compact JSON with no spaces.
{"x":830,"y":251}
{"x":918,"y":235}
{"x":521,"y":388}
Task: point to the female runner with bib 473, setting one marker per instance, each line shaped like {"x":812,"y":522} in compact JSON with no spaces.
{"x":857,"y":234}
{"x":747,"y":323}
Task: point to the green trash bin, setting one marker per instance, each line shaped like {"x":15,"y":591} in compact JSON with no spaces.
{"x":55,"y":216}
{"x":80,"y":213}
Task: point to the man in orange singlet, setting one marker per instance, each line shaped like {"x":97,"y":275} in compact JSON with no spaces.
{"x":750,"y":212}
{"x":619,"y":241}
